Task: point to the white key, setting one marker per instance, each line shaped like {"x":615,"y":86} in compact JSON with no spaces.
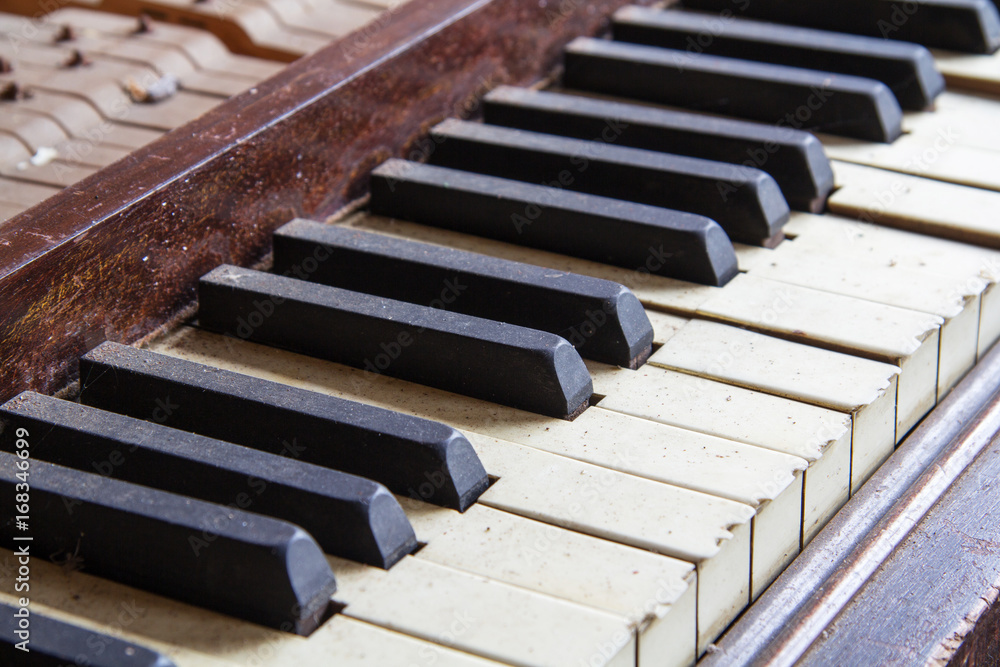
{"x":818,"y":435}
{"x":862,"y":388}
{"x":194,"y":637}
{"x":842,"y":237}
{"x":972,"y":71}
{"x":481,"y":616}
{"x":654,"y":594}
{"x":903,"y":338}
{"x":934,"y":155}
{"x":956,"y":301}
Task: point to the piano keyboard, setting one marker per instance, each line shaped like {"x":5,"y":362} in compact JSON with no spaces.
{"x":607,"y":475}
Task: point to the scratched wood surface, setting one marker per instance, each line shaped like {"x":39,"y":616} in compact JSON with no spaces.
{"x":118,"y":254}
{"x":934,"y":600}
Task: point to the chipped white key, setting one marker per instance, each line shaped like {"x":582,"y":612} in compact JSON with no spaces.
{"x":862,"y":388}
{"x":193,"y":637}
{"x":842,"y":237}
{"x":481,"y":616}
{"x":955,"y":301}
{"x":654,"y":594}
{"x":712,"y":532}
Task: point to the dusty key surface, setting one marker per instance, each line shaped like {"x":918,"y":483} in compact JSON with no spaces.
{"x":622,"y":233}
{"x":400,"y":451}
{"x":962,"y":25}
{"x":494,"y":361}
{"x":794,"y":158}
{"x":245,"y":565}
{"x":195,"y":637}
{"x":837,"y":103}
{"x":603,"y":320}
{"x":349,"y":516}
{"x":745,"y":201}
{"x":527,"y":475}
{"x":908,"y":69}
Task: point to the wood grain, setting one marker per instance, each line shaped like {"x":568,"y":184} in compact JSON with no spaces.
{"x":117,"y":255}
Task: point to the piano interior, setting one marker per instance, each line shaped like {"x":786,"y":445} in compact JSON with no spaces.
{"x":499,"y":332}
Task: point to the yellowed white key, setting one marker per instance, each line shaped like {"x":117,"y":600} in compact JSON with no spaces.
{"x":654,"y":594}
{"x":966,"y":119}
{"x":100,"y":84}
{"x":955,"y":300}
{"x":917,"y":204}
{"x":643,"y":514}
{"x":194,"y":637}
{"x":481,"y":616}
{"x":972,"y":71}
{"x":842,"y":237}
{"x":937,"y":155}
{"x":82,"y":121}
{"x":904,"y":338}
{"x":820,"y":436}
{"x":712,"y":532}
{"x":862,"y":388}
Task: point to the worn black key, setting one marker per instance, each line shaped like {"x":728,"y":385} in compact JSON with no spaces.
{"x":643,"y":238}
{"x":230,"y":561}
{"x":349,"y":516}
{"x":961,"y":25}
{"x":787,"y":96}
{"x":53,"y":643}
{"x":908,"y":69}
{"x":507,"y":364}
{"x":411,"y":456}
{"x":745,"y":201}
{"x":794,"y":158}
{"x":602,"y":319}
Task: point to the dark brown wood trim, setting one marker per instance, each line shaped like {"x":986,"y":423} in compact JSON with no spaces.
{"x":117,"y":255}
{"x":872,"y":587}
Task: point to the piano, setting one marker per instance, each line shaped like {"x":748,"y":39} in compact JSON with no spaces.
{"x":708,"y":376}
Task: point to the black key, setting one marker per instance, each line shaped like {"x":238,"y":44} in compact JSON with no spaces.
{"x":635,"y":236}
{"x":787,"y":96}
{"x":230,"y":561}
{"x":411,"y":456}
{"x":961,"y":25}
{"x":908,"y":69}
{"x":746,"y":202}
{"x":602,"y":319}
{"x":507,"y":364}
{"x":52,"y":643}
{"x":794,"y":158}
{"x":348,"y":516}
